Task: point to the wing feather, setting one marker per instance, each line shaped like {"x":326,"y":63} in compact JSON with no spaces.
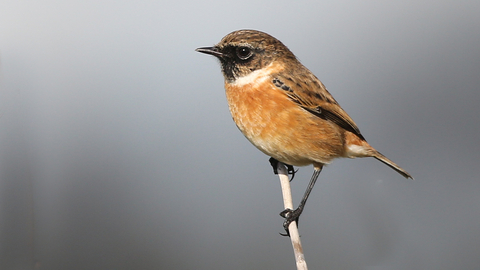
{"x":311,"y":95}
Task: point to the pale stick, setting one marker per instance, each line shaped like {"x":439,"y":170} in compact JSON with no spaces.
{"x":292,"y":228}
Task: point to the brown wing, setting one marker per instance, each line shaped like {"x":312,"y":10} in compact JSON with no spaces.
{"x":310,"y":94}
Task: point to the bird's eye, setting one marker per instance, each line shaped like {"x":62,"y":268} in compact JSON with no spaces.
{"x":244,"y":53}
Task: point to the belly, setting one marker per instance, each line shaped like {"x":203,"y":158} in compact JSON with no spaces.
{"x":281,"y":129}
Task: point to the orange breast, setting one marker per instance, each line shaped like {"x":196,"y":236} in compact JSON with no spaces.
{"x":280,"y":128}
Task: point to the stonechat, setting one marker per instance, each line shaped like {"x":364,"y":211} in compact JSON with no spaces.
{"x":285,"y":110}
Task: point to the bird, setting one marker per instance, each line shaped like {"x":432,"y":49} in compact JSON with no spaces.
{"x":284,"y":110}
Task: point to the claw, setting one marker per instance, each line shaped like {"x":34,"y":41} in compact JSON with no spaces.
{"x":291,"y":170}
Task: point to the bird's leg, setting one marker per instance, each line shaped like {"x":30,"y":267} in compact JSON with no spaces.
{"x":293,"y":215}
{"x":290,"y":169}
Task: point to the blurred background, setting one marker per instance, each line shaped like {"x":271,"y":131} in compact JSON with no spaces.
{"x":117,"y":149}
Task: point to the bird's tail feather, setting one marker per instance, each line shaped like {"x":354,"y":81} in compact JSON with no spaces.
{"x":392,"y":165}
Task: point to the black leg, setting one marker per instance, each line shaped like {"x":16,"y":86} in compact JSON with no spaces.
{"x":293,"y":215}
{"x":290,"y":169}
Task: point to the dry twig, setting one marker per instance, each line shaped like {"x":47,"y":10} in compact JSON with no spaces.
{"x":288,"y":203}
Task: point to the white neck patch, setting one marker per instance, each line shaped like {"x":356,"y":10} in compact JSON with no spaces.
{"x":254,"y":77}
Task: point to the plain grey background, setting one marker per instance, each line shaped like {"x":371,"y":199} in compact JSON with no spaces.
{"x":117,"y":149}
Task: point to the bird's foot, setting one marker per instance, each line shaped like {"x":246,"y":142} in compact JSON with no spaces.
{"x":290,"y":169}
{"x":290,"y":216}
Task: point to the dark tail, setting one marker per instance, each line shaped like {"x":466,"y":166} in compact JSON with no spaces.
{"x":392,"y":165}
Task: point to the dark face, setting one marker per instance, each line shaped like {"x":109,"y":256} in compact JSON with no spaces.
{"x":239,"y":60}
{"x":245,"y":51}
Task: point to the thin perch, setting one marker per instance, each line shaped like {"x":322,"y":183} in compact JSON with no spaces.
{"x":293,"y":230}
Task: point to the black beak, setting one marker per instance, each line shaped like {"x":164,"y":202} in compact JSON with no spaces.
{"x":210,"y":50}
